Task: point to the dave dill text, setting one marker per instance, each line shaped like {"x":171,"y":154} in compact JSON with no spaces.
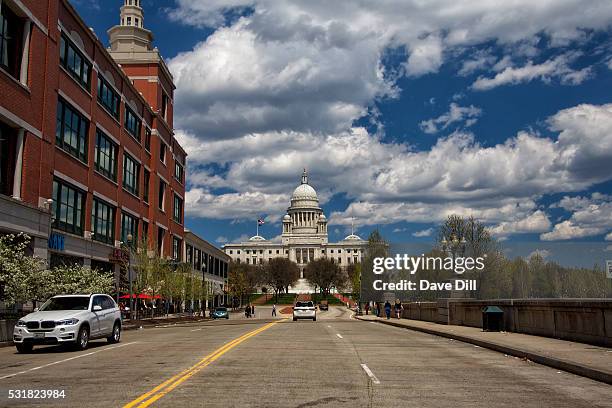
{"x":423,"y":284}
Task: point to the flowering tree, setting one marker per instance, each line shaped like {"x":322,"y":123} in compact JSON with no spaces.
{"x":27,"y":278}
{"x":19,"y":272}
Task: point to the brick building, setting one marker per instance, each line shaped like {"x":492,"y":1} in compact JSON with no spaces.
{"x":87,"y":149}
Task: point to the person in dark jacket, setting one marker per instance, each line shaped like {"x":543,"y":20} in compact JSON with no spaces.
{"x":398,"y":309}
{"x":388,"y":309}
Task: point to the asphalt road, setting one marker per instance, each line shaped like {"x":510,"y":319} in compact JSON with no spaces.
{"x":335,"y":362}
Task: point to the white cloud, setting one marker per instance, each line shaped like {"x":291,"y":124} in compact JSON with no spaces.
{"x":534,"y":223}
{"x":400,"y":229}
{"x":591,"y":216}
{"x":482,"y":59}
{"x":316,"y":66}
{"x":222,"y":240}
{"x":456,"y":114}
{"x":424,"y":233}
{"x":543,"y":253}
{"x":497,"y":183}
{"x":557,"y":67}
{"x":609,"y":237}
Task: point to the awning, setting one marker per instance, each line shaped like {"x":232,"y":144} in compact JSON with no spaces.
{"x":140,"y":296}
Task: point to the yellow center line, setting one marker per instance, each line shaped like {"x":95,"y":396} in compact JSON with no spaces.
{"x":162,"y":389}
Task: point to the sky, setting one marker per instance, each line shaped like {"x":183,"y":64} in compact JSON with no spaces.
{"x":403,"y":112}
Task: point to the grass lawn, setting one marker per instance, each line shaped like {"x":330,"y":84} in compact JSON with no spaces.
{"x":283,"y":299}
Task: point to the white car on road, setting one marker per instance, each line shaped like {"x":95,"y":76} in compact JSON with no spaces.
{"x":304,"y":310}
{"x":69,"y":319}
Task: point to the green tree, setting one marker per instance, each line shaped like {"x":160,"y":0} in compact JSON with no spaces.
{"x":20,"y":272}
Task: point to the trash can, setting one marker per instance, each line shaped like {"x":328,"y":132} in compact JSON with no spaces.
{"x":492,"y":319}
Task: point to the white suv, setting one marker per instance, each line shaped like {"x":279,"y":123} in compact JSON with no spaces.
{"x":69,"y":319}
{"x":304,"y":310}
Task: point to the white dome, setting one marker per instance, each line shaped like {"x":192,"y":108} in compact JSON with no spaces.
{"x":287,"y":218}
{"x":352,"y":237}
{"x":322,"y":218}
{"x":304,"y":192}
{"x":257,"y":238}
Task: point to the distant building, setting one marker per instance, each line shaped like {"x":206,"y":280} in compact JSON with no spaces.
{"x":211,"y":262}
{"x":87,"y":149}
{"x":303,"y":239}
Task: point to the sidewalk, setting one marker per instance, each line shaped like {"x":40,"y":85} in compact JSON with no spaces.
{"x":582,"y":359}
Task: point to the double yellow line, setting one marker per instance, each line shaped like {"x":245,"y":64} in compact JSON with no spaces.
{"x":164,"y":388}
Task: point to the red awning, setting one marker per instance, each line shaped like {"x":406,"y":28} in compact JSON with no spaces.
{"x":140,"y":296}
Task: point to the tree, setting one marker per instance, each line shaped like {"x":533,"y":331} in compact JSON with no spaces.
{"x":377,"y":247}
{"x":325,"y":274}
{"x":19,"y":272}
{"x":240,"y":280}
{"x":279,"y":273}
{"x":353,"y":272}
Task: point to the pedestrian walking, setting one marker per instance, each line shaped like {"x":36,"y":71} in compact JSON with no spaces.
{"x":273,"y":310}
{"x":367,"y":308}
{"x":388,"y":310}
{"x":247,"y":312}
{"x":253,"y":311}
{"x":398,"y":309}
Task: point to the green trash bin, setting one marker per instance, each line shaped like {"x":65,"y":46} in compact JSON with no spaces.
{"x":492,"y":319}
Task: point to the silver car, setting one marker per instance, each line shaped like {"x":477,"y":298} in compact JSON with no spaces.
{"x":304,"y":310}
{"x":69,"y":319}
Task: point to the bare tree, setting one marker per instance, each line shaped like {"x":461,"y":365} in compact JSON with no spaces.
{"x":279,"y":273}
{"x":325,"y":274}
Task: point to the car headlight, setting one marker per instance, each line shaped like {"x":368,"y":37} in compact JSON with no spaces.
{"x":21,"y":323}
{"x":67,"y":322}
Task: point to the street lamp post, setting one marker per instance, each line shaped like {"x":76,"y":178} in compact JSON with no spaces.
{"x":129,"y":243}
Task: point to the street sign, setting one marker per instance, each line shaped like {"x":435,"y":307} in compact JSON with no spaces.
{"x":609,"y":269}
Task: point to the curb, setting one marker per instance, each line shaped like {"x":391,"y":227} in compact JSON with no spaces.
{"x":559,"y":364}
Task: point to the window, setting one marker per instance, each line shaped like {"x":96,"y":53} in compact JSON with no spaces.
{"x":132,"y":123}
{"x":103,"y":221}
{"x":108,"y":97}
{"x":136,"y":22}
{"x":129,"y":21}
{"x":177,"y":214}
{"x":71,"y":131}
{"x":6,"y":185}
{"x":176,"y":249}
{"x":147,"y":179}
{"x":131,"y":171}
{"x":129,"y":225}
{"x":75,"y":63}
{"x":178,"y":171}
{"x":105,"y":156}
{"x":11,"y":34}
{"x":189,"y":254}
{"x":162,"y":152}
{"x":145,"y":230}
{"x":161,"y":199}
{"x":147,"y":139}
{"x":68,"y":207}
{"x":164,"y":107}
{"x":160,"y":240}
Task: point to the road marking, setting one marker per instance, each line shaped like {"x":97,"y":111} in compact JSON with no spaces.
{"x":66,"y":360}
{"x":370,"y":374}
{"x":339,"y":335}
{"x":329,"y":326}
{"x":197,"y":329}
{"x":164,"y":388}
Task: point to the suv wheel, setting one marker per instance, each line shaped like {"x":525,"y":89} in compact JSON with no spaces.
{"x":116,"y":335}
{"x":82,"y":338}
{"x":24,"y":348}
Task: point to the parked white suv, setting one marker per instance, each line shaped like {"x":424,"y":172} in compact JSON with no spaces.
{"x":69,"y":319}
{"x":304,"y":310}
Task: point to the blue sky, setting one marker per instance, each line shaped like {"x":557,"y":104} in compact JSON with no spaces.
{"x":403,"y":113}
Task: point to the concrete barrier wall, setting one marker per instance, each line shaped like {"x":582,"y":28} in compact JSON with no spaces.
{"x":582,"y":320}
{"x":6,"y":330}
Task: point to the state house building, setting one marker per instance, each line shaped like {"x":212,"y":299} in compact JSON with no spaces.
{"x":304,"y":236}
